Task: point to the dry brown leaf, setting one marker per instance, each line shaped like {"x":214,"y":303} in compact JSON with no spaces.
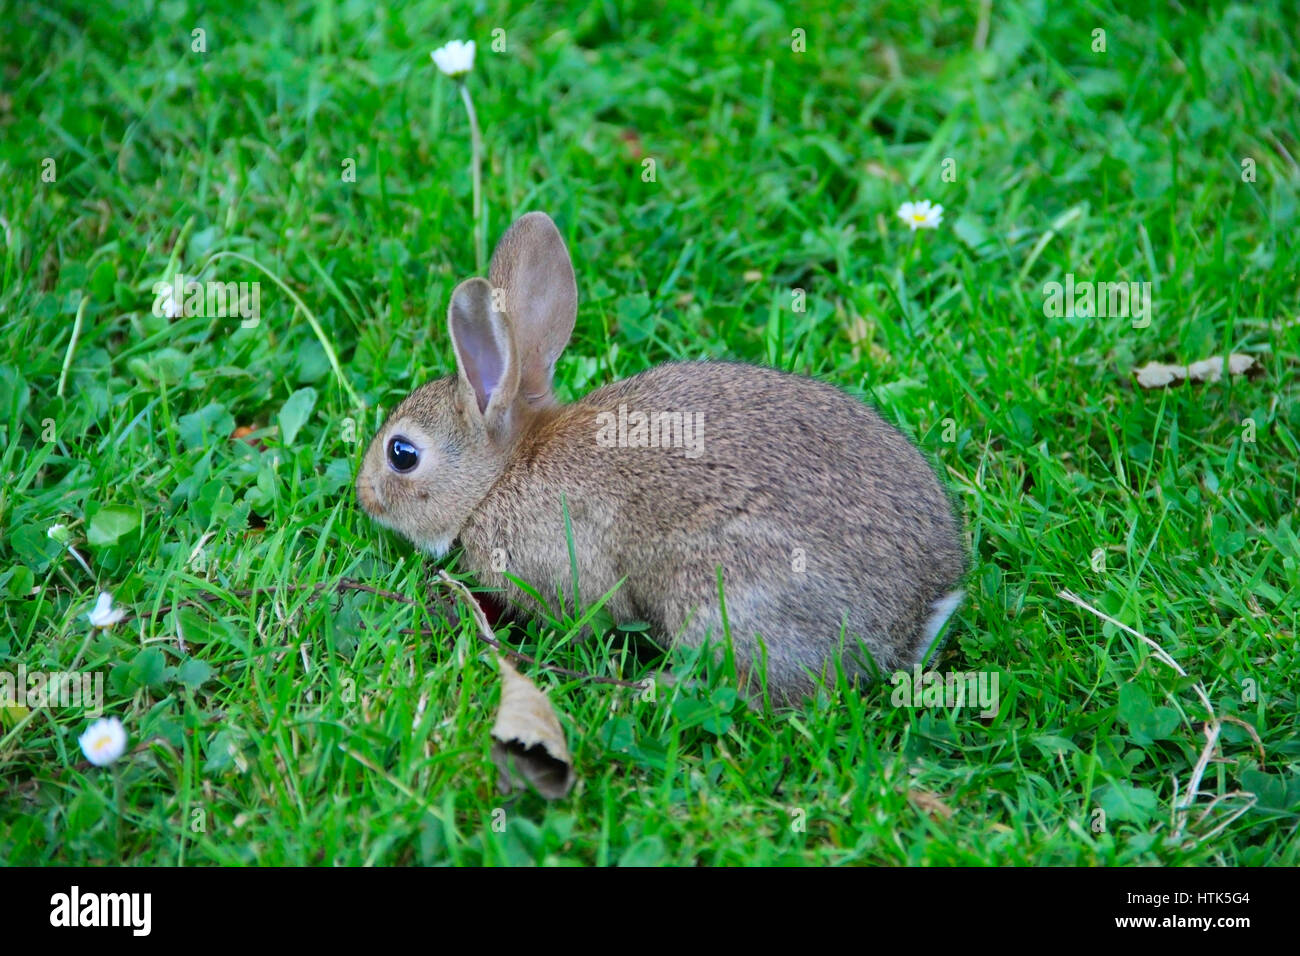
{"x":928,"y":802}
{"x":241,"y":434}
{"x":1211,"y":369}
{"x":1155,"y":375}
{"x":1159,"y":375}
{"x":527,"y":740}
{"x":632,"y":141}
{"x":880,"y":171}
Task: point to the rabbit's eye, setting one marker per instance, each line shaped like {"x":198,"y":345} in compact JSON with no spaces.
{"x":402,"y":455}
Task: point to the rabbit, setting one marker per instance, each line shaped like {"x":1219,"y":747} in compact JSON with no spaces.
{"x":784,"y":514}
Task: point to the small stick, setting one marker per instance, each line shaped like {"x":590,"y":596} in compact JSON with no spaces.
{"x":1212,"y":727}
{"x":448,"y":608}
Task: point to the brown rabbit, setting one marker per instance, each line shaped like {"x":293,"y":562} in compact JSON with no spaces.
{"x":830,"y":533}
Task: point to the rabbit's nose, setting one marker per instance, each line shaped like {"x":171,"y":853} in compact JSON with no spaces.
{"x":369,"y":499}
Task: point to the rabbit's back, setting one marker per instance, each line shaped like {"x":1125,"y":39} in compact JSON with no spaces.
{"x":823,"y":519}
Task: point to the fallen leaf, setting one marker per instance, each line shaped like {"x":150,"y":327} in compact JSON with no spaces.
{"x":880,"y":171}
{"x":928,"y":802}
{"x":527,"y":740}
{"x":1159,"y":375}
{"x":632,"y":140}
{"x":1252,"y":604}
{"x":241,"y":434}
{"x":1211,"y":369}
{"x":1155,"y":375}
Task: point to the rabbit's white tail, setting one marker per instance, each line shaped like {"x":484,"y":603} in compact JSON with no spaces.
{"x":943,"y":609}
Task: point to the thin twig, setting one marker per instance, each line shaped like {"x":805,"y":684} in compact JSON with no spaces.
{"x":485,"y":632}
{"x":445,"y":605}
{"x":1212,"y":727}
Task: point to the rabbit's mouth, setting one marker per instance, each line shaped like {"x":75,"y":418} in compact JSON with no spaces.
{"x":369,"y":498}
{"x":373,"y":505}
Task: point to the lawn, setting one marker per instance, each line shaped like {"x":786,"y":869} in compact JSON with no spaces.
{"x":727,"y":181}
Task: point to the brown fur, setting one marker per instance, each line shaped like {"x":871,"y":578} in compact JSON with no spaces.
{"x":787,"y":466}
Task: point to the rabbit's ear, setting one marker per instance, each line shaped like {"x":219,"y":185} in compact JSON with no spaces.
{"x":485,"y":350}
{"x":532,"y":281}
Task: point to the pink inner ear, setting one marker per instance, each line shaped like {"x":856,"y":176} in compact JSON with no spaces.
{"x":484,"y":364}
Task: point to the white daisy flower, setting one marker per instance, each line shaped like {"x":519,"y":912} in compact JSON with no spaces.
{"x":455,"y":59}
{"x":921,"y":215}
{"x":104,"y":614}
{"x":104,"y":741}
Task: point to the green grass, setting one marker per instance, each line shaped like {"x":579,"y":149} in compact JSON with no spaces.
{"x":287,"y":727}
